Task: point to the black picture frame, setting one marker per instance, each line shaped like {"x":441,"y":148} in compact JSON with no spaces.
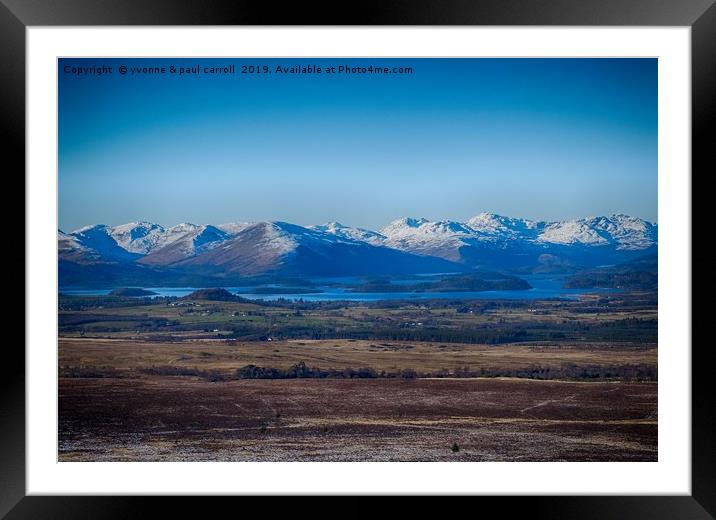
{"x":700,"y":15}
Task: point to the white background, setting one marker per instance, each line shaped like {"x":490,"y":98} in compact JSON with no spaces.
{"x":671,"y":474}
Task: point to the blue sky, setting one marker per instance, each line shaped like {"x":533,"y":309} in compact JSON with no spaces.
{"x":544,"y":139}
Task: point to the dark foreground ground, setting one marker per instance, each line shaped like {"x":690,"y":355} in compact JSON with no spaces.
{"x":185,"y":419}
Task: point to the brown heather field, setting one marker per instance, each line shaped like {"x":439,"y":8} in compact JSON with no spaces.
{"x":113,"y":407}
{"x":177,"y":419}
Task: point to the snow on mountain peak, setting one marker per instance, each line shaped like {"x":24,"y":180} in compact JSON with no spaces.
{"x":233,"y":228}
{"x":278,"y":237}
{"x":402,"y":223}
{"x":137,"y":237}
{"x":493,"y":224}
{"x":136,"y":229}
{"x":337,"y":229}
{"x":184,"y":227}
{"x":420,"y":236}
{"x":190,"y":239}
{"x":93,"y":228}
{"x":333,"y":226}
{"x":447,"y":227}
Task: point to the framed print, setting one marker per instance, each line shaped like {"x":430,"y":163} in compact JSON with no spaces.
{"x":433,"y":252}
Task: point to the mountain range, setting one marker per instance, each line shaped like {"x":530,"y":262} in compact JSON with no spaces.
{"x":150,"y":253}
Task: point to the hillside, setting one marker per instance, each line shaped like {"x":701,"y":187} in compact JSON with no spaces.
{"x":639,"y":274}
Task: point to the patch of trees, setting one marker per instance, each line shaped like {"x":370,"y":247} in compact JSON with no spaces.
{"x":628,"y":372}
{"x":302,"y":371}
{"x":640,"y":372}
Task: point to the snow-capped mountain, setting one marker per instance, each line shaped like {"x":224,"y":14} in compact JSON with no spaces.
{"x":362,"y":235}
{"x":252,"y":250}
{"x":407,"y":245}
{"x":184,"y":241}
{"x":442,"y":239}
{"x":280,"y":247}
{"x":99,"y":243}
{"x":139,"y":240}
{"x":484,"y":234}
{"x":138,"y":237}
{"x":620,"y":231}
{"x":491,"y":226}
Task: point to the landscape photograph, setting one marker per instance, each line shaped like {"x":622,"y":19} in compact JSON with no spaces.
{"x":357,"y":260}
